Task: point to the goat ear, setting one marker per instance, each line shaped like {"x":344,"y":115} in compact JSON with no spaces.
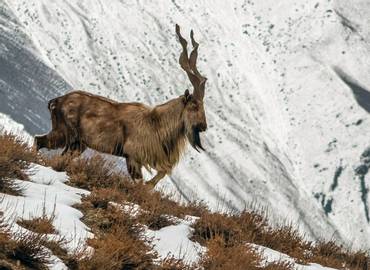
{"x":187,"y":96}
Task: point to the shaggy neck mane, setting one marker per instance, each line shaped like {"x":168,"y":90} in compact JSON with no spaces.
{"x":169,"y":128}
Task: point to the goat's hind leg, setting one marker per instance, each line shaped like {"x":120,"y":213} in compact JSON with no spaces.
{"x":75,"y":146}
{"x":40,"y":141}
{"x":154,"y":181}
{"x":52,"y":140}
{"x":73,"y":140}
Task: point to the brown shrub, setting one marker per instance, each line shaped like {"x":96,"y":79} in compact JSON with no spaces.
{"x":58,"y":162}
{"x":15,"y":157}
{"x":255,"y":229}
{"x":220,"y":256}
{"x":330,"y":254}
{"x":118,"y":242}
{"x":171,"y":263}
{"x":284,"y":238}
{"x":251,"y":227}
{"x":280,"y":265}
{"x":287,"y":240}
{"x":30,"y":251}
{"x":100,"y":197}
{"x":155,"y":221}
{"x":211,"y":225}
{"x":24,"y":249}
{"x":102,"y":216}
{"x":114,"y":229}
{"x":153,"y":200}
{"x":56,"y":246}
{"x":40,"y":225}
{"x":94,"y":172}
{"x":118,"y":250}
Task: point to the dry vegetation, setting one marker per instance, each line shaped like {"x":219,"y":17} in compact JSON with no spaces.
{"x":31,"y":250}
{"x":119,"y":241}
{"x":222,"y":255}
{"x":15,"y":157}
{"x":21,"y":250}
{"x":41,"y":225}
{"x":95,"y":174}
{"x":222,"y":234}
{"x":251,"y":227}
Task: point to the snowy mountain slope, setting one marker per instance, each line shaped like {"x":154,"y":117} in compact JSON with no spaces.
{"x":26,"y":80}
{"x":7,"y":124}
{"x":285,"y":99}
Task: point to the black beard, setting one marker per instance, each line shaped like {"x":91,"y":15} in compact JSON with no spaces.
{"x":194,"y":139}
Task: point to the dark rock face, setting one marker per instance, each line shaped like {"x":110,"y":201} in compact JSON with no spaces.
{"x":361,"y":171}
{"x":337,"y":174}
{"x":361,"y":94}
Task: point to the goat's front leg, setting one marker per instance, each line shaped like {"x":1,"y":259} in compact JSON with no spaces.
{"x":134,"y":169}
{"x":154,"y":181}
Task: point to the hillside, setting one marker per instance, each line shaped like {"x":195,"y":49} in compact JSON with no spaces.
{"x":78,"y":214}
{"x":286,"y":97}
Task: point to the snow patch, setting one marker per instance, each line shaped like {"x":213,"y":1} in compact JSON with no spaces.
{"x":173,"y":241}
{"x":47,"y":193}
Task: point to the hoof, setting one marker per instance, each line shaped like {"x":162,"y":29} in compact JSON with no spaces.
{"x":150,"y":184}
{"x":138,"y":180}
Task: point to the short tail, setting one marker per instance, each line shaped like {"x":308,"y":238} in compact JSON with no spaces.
{"x":52,"y":105}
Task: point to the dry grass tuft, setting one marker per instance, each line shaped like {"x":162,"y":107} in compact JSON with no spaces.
{"x":118,"y":242}
{"x":220,"y":225}
{"x":222,"y":256}
{"x":287,"y":240}
{"x":102,"y":220}
{"x":251,"y":227}
{"x":171,"y":263}
{"x":280,"y":265}
{"x":29,"y":250}
{"x":59,"y":163}
{"x":332,"y":255}
{"x":15,"y":157}
{"x":56,"y":246}
{"x":155,"y":221}
{"x":100,"y":197}
{"x":42,"y":225}
{"x":118,"y":250}
{"x":94,"y":172}
{"x":23,"y":249}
